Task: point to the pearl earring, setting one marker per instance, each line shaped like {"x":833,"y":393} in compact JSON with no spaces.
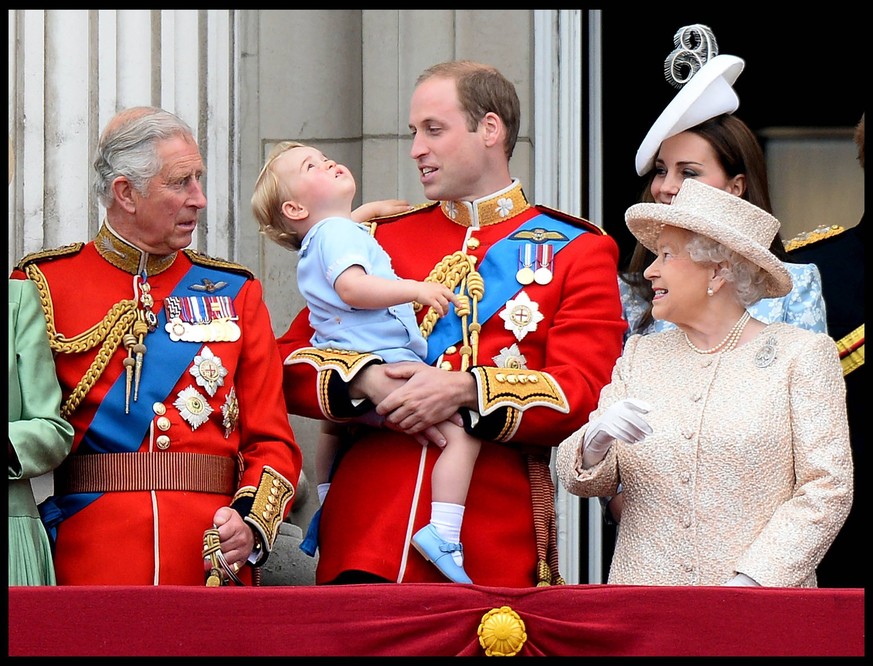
{"x":709,"y":291}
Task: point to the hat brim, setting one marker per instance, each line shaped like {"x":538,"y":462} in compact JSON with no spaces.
{"x":645,"y":221}
{"x":709,"y":93}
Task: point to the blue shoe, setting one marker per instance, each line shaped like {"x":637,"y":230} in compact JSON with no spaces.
{"x":439,"y":551}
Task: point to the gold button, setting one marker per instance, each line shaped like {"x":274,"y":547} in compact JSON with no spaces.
{"x":159,"y":408}
{"x":446,"y":365}
{"x":451,"y":350}
{"x":472,"y":243}
{"x":163,"y":423}
{"x":163,"y":442}
{"x":500,"y":377}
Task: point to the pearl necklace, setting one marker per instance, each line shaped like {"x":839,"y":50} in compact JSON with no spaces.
{"x":730,"y":340}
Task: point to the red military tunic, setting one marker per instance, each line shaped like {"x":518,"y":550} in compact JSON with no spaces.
{"x":544,"y":352}
{"x":215,"y":424}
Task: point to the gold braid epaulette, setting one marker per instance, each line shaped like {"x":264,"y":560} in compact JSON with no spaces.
{"x":108,"y":331}
{"x":53,"y":253}
{"x":214,"y":262}
{"x":808,"y":237}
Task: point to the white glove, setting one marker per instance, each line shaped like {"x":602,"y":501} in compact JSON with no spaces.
{"x":742,"y":580}
{"x":621,"y":421}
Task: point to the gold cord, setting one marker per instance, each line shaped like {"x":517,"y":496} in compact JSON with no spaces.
{"x":109,"y":331}
{"x":455,"y":270}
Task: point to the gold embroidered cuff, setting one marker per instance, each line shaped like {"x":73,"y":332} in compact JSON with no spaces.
{"x":346,"y":363}
{"x":268,"y":506}
{"x":517,"y":388}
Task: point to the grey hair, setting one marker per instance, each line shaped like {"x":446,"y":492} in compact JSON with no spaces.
{"x":128,"y":147}
{"x":749,"y":279}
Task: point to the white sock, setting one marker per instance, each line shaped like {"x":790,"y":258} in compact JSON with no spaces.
{"x":446,"y":519}
{"x":322,"y":489}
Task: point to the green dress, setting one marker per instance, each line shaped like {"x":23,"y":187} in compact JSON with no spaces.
{"x":39,"y":439}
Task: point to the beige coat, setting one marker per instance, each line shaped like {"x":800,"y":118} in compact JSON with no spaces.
{"x":748,"y":468}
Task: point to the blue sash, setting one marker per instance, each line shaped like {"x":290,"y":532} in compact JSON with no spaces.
{"x":113,"y":431}
{"x":498,"y":269}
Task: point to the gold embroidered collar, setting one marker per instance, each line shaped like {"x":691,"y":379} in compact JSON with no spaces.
{"x":492,"y":209}
{"x":129,"y":258}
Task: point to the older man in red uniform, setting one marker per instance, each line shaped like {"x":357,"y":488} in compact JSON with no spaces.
{"x":171,"y":378}
{"x":522,"y":362}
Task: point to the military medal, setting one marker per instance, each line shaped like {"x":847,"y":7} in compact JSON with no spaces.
{"x":193,"y":407}
{"x":545,"y":257}
{"x":510,"y":357}
{"x":147,"y":302}
{"x":230,"y":412}
{"x":525,"y":274}
{"x":208,"y":370}
{"x":201,"y":319}
{"x":521,"y":315}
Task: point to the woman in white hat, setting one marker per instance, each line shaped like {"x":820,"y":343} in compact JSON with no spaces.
{"x":698,"y":136}
{"x":729,"y":435}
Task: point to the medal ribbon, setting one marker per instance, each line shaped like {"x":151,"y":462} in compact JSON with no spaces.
{"x":201,"y":309}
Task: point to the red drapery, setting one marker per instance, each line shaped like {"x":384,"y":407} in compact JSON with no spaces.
{"x":433,"y":620}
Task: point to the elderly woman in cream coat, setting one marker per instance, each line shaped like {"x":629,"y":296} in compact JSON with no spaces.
{"x":729,"y":435}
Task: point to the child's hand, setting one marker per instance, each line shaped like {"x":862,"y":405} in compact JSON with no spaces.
{"x":436,"y":295}
{"x":380,"y":208}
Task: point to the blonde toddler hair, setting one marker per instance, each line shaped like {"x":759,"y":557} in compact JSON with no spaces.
{"x":268,"y":197}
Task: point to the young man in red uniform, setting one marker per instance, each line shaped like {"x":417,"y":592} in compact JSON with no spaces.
{"x":522,"y":362}
{"x":170,"y":376}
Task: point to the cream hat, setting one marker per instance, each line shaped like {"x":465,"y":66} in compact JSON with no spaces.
{"x":721,"y":216}
{"x":706,"y":89}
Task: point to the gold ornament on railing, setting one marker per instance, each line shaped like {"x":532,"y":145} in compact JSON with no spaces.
{"x":501,"y":632}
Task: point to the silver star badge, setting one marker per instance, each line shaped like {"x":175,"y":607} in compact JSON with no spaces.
{"x":521,"y":315}
{"x":193,"y":407}
{"x":208,"y":370}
